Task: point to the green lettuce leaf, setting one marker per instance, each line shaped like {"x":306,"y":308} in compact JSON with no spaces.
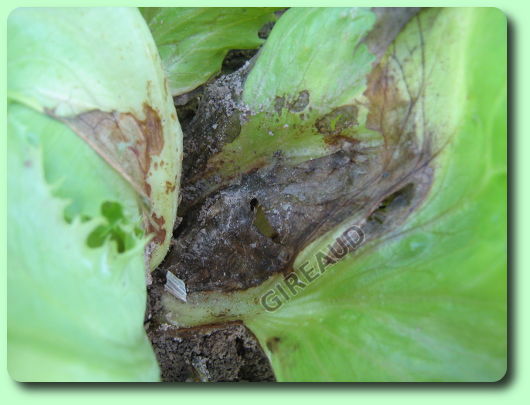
{"x":94,"y":162}
{"x":75,"y":312}
{"x":427,"y":302}
{"x":194,"y":41}
{"x":99,"y":72}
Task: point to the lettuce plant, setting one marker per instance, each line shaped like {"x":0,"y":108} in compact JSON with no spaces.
{"x":94,"y":168}
{"x":387,"y":122}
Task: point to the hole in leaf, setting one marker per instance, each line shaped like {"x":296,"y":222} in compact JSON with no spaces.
{"x":116,"y":229}
{"x":253,"y":204}
{"x":392,"y":203}
{"x":112,"y":211}
{"x":338,"y":120}
{"x":261,"y":222}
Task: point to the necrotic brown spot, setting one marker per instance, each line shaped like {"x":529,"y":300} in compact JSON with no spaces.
{"x":170,"y":187}
{"x":336,"y":121}
{"x":300,"y":103}
{"x":272,"y":343}
{"x":123,"y":140}
{"x":127,"y":143}
{"x":156,"y":227}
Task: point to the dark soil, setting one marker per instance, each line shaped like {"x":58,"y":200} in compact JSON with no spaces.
{"x":217,"y":353}
{"x":212,"y":353}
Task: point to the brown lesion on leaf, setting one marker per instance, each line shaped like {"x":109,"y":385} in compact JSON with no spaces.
{"x":219,"y":246}
{"x":337,"y":120}
{"x":128,"y":144}
{"x":341,"y":141}
{"x":384,"y":99}
{"x":279,"y":104}
{"x":390,"y":21}
{"x":227,"y":242}
{"x":124,"y":141}
{"x":155,"y":226}
{"x":295,"y":104}
{"x":148,"y":190}
{"x":273,"y":343}
{"x":170,"y":187}
{"x":300,"y":102}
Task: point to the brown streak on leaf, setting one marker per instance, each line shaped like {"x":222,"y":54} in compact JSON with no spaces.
{"x":390,"y":21}
{"x":124,"y":141}
{"x":127,"y":144}
{"x":156,"y":227}
{"x":170,"y":187}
